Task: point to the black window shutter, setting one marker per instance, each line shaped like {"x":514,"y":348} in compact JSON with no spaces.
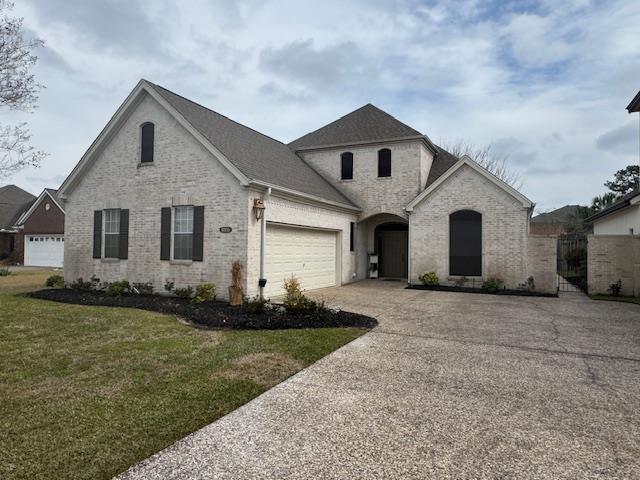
{"x":97,"y":234}
{"x":198,"y":233}
{"x":123,"y":243}
{"x":165,"y":233}
{"x":351,"y":236}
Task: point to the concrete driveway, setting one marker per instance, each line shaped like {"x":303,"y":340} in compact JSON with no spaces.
{"x":448,"y":386}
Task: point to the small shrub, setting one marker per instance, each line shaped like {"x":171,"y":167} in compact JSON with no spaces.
{"x":55,"y":281}
{"x":256,"y":304}
{"x":429,"y":278}
{"x":493,"y":284}
{"x":169,"y":285}
{"x":116,"y":289}
{"x":4,"y":272}
{"x":295,"y":301}
{"x":142,"y":288}
{"x":531,"y":284}
{"x":81,"y":284}
{"x":205,"y":293}
{"x":186,"y":292}
{"x":460,"y":282}
{"x":615,"y":288}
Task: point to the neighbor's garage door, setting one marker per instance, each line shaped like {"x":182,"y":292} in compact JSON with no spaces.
{"x":308,"y":254}
{"x":43,"y":251}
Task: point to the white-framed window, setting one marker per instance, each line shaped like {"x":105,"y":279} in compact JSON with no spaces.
{"x":111,"y":229}
{"x":182,"y":234}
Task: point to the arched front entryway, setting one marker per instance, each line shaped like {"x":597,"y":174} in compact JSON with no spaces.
{"x":392,"y":247}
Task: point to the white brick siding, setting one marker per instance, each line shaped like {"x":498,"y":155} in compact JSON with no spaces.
{"x":410,"y":163}
{"x":183,"y":172}
{"x":504,"y":228}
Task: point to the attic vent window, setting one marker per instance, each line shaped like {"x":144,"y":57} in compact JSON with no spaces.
{"x":146,"y":141}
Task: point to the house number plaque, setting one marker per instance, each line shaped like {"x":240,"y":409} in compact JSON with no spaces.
{"x":225,"y":229}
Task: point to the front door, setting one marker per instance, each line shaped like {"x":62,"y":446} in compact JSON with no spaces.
{"x":393,"y":253}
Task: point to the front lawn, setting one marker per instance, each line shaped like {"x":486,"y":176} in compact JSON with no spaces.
{"x":88,"y":391}
{"x":616,"y":299}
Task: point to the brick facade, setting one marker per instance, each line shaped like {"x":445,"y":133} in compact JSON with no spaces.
{"x":505,"y":236}
{"x":611,"y":258}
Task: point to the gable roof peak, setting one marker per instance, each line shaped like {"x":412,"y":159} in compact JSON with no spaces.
{"x":367,"y":124}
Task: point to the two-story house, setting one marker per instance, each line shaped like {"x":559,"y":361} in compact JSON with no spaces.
{"x":173,"y":191}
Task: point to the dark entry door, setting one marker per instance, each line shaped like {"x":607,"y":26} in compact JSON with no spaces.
{"x":393,"y":253}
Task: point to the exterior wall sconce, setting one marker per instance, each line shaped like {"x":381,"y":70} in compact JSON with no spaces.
{"x":258,"y":208}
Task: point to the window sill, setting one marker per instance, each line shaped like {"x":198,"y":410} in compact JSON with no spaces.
{"x":181,"y":262}
{"x":145,"y":164}
{"x":385,"y":178}
{"x":345,"y":180}
{"x":109,"y":260}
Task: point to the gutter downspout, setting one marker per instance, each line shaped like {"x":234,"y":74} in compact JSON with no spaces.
{"x":263,"y":238}
{"x":409,"y":249}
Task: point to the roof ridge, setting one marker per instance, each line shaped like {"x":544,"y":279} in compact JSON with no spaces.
{"x":217,"y":113}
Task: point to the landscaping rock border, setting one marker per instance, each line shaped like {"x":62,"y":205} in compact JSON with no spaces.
{"x":213,"y":314}
{"x":448,"y":288}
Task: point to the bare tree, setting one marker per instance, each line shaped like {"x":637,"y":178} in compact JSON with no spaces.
{"x":487,"y":157}
{"x":18,"y":91}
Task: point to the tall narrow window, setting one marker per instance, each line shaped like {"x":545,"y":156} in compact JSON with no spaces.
{"x":465,"y":243}
{"x":346,"y":161}
{"x":352,"y":228}
{"x":146,"y":150}
{"x":183,"y":233}
{"x":384,"y":162}
{"x":111,"y":232}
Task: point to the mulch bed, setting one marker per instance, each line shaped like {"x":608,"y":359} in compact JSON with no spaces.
{"x":215,"y":314}
{"x":447,"y":288}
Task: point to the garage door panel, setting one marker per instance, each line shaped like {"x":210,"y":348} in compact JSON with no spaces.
{"x":308,"y":254}
{"x":43,"y":250}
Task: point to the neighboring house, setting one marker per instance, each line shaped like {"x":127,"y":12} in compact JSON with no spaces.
{"x":40,"y":231}
{"x":561,"y":220}
{"x":173,"y":191}
{"x":13,"y":203}
{"x":614,"y":247}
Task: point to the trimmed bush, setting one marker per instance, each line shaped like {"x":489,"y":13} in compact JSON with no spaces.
{"x":493,"y":284}
{"x":429,"y":278}
{"x":186,"y":292}
{"x":255,"y":305}
{"x":81,"y":284}
{"x":4,"y":272}
{"x":116,"y":289}
{"x":615,"y":288}
{"x":169,"y":285}
{"x":55,"y":281}
{"x":205,"y":293}
{"x":295,"y":301}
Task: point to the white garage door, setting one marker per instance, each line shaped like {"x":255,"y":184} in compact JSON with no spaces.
{"x":43,"y":250}
{"x":308,"y":254}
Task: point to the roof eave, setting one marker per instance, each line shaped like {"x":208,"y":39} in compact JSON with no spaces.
{"x":428,"y":143}
{"x":297,"y":193}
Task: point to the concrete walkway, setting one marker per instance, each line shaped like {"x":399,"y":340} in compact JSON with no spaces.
{"x":448,"y":386}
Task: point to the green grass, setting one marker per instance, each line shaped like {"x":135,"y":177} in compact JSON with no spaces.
{"x":616,"y":299}
{"x":88,"y":391}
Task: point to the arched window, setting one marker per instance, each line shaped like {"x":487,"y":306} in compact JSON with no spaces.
{"x":146,"y":141}
{"x":384,"y":162}
{"x":465,"y":243}
{"x":346,"y":166}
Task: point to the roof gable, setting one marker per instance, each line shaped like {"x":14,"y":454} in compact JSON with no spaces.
{"x":634,"y":106}
{"x":442,"y":162}
{"x":466,"y":160}
{"x":46,"y":193}
{"x":364,"y":125}
{"x":249,"y":155}
{"x":13,"y":202}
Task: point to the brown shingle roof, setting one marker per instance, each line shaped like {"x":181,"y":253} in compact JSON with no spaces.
{"x":13,"y":202}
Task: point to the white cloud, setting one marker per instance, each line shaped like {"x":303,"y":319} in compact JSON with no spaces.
{"x":549,"y":79}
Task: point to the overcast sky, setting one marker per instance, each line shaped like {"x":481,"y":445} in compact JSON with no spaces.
{"x":546,"y":81}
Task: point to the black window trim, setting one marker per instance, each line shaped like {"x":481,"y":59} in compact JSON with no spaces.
{"x":385,"y":170}
{"x":346,"y":157}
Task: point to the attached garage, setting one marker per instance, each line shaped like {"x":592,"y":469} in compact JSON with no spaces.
{"x":309,"y":254}
{"x":43,"y":251}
